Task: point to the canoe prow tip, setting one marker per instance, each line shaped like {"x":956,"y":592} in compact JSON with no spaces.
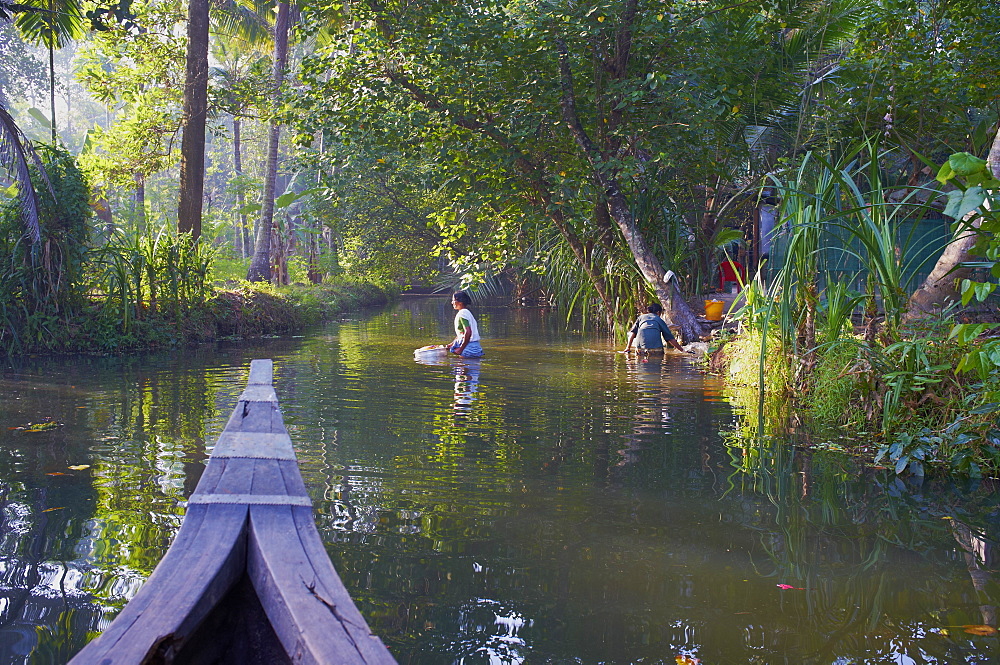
{"x":260,"y":384}
{"x":261,"y":372}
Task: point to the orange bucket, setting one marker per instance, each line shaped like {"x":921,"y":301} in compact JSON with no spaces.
{"x":713,"y":310}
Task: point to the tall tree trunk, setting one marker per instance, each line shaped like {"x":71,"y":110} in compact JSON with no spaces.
{"x":52,"y":84}
{"x":242,"y":235}
{"x":941,"y":286}
{"x":140,"y":203}
{"x":260,"y":266}
{"x":192,"y":183}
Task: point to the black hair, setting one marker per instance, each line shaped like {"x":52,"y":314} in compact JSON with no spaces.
{"x":462,"y":297}
{"x":654,"y":308}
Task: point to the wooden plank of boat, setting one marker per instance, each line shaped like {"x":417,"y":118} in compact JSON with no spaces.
{"x":247,"y":579}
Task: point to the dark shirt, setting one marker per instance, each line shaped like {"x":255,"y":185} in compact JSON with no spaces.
{"x":647,"y":329}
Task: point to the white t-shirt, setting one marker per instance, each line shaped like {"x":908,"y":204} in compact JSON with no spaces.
{"x":463,"y":320}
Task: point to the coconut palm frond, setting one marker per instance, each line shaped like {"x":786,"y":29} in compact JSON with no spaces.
{"x":15,"y":151}
{"x":248,"y":23}
{"x":8,"y":9}
{"x":53,"y":26}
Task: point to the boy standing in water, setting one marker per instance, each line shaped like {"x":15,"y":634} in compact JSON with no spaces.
{"x":649,"y":327}
{"x":466,"y":342}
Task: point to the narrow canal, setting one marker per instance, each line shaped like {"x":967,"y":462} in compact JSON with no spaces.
{"x":554,"y":502}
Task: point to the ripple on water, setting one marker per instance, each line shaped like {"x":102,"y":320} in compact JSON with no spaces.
{"x":554,"y":502}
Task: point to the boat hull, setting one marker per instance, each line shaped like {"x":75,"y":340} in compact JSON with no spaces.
{"x":247,"y":579}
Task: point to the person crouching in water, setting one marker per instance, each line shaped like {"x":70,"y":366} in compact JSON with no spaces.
{"x":466,"y":342}
{"x":648,"y":328}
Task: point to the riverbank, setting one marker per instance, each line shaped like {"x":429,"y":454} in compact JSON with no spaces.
{"x":910,"y":398}
{"x":232,"y":310}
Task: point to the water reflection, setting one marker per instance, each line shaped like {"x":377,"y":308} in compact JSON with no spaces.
{"x":581,"y":508}
{"x":465,"y":372}
{"x":490,"y":633}
{"x":981,"y":561}
{"x":466,"y":384}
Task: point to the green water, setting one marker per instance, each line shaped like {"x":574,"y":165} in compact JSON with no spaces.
{"x":551,"y":503}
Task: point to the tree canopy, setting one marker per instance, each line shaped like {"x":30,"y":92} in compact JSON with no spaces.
{"x":584,"y":150}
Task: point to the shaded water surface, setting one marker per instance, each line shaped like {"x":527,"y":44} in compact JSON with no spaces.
{"x":551,"y":503}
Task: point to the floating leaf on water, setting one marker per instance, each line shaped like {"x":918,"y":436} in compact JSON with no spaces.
{"x":43,"y":426}
{"x":79,"y":467}
{"x":984,"y":631}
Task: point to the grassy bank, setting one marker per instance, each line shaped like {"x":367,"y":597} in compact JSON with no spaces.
{"x":233,"y":310}
{"x":906,"y":396}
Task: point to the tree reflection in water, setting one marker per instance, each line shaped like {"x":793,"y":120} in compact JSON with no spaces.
{"x":567,"y":505}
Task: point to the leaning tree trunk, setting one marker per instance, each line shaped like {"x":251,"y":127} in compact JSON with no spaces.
{"x":941,"y":286}
{"x":192,"y":186}
{"x":260,"y":266}
{"x":666,"y":289}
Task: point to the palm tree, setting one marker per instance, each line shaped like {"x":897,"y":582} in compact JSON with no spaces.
{"x":243,"y":21}
{"x":239,"y":61}
{"x":16,"y":151}
{"x":53,"y":24}
{"x":260,"y":266}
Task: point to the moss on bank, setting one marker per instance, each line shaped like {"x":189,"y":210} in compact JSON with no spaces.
{"x":236,"y":310}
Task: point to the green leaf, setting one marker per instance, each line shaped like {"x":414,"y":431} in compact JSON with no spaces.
{"x":726,"y":236}
{"x":970,"y":362}
{"x":968,"y":290}
{"x":249,"y":209}
{"x":965,"y":164}
{"x":961,"y":203}
{"x":285,"y":200}
{"x":945,"y":173}
{"x":40,"y":118}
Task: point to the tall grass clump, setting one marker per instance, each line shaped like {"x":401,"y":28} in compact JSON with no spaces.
{"x":141,"y":276}
{"x":839,"y":335}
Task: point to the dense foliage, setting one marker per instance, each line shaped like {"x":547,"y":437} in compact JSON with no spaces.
{"x":41,"y":285}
